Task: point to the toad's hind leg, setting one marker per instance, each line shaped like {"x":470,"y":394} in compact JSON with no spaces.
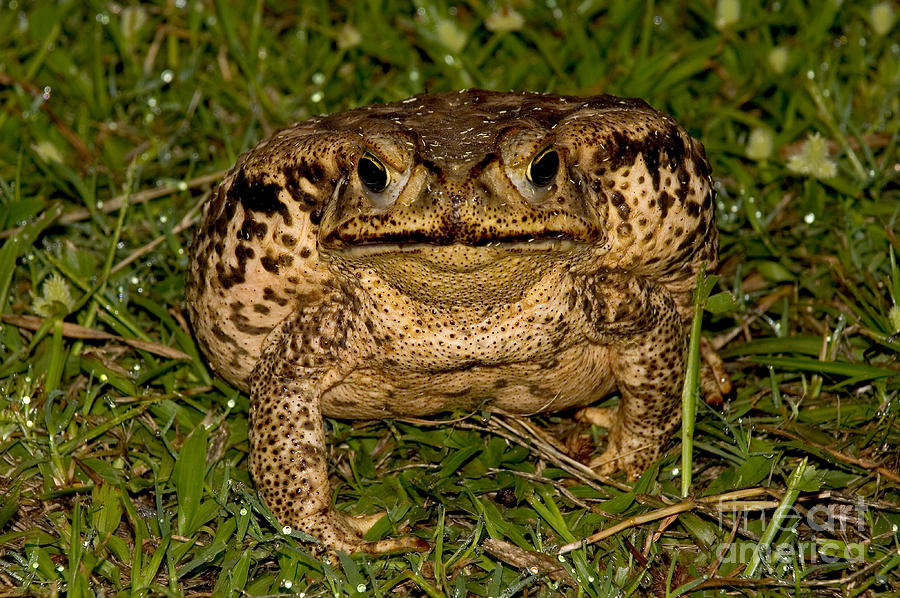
{"x":288,"y":458}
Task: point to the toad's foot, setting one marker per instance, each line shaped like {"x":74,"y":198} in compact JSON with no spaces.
{"x":604,"y":417}
{"x":629,"y":452}
{"x":340,"y":532}
{"x":714,"y":379}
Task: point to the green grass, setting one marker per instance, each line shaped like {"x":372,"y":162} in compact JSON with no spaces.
{"x":123,"y":462}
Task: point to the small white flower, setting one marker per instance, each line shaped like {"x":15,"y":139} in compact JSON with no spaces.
{"x":450,"y":35}
{"x":48,"y":151}
{"x":348,"y":36}
{"x":728,"y":12}
{"x":894,"y":317}
{"x":504,"y":19}
{"x":54,"y":289}
{"x":813,"y":159}
{"x":760,"y":143}
{"x":778,"y":59}
{"x":133,"y":18}
{"x":881,"y":18}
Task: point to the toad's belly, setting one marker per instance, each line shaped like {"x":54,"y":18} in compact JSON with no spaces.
{"x":576,"y":377}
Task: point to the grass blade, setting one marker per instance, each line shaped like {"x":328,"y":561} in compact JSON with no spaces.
{"x":188,"y":478}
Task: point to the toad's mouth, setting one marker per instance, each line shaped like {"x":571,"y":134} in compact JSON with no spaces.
{"x":390,"y":245}
{"x":392,"y":238}
{"x":405,"y":231}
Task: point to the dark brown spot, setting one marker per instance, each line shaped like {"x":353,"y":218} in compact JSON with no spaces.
{"x":258,"y":196}
{"x":618,"y":200}
{"x":313,"y":172}
{"x":665,"y":202}
{"x":220,"y":334}
{"x":269,"y":264}
{"x":270,"y":295}
{"x":242,"y":324}
{"x":251,"y":228}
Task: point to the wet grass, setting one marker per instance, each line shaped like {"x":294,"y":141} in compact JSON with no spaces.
{"x":124,"y":466}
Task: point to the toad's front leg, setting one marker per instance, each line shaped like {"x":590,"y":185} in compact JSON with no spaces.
{"x":647,"y":353}
{"x":287,"y":437}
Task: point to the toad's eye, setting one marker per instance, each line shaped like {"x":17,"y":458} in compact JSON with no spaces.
{"x":372,"y":173}
{"x":543,"y":167}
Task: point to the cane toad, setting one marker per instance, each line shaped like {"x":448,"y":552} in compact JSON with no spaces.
{"x":531,"y":252}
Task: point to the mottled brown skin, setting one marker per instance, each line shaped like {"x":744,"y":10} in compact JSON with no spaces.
{"x":463,"y":281}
